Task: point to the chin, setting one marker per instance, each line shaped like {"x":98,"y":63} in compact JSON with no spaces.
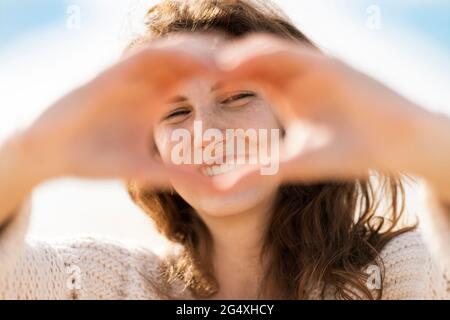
{"x":226,"y":203}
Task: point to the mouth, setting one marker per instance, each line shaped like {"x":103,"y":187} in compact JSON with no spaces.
{"x":226,"y":165}
{"x":215,"y":170}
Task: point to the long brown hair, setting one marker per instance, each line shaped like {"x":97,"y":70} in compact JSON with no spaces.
{"x":321,"y":236}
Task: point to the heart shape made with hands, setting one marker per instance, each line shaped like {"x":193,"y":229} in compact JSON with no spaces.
{"x":299,"y":83}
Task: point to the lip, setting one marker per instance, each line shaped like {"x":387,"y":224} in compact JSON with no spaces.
{"x":220,"y":165}
{"x":217,"y":170}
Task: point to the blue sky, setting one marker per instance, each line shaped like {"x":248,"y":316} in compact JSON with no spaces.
{"x":19,"y":17}
{"x":429,"y":19}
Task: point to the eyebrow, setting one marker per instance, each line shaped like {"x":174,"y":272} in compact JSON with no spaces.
{"x":180,"y":98}
{"x":177,"y":99}
{"x":217,"y":86}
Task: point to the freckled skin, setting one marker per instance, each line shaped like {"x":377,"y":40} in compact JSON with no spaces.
{"x":204,"y":106}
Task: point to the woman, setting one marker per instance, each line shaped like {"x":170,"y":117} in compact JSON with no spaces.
{"x":325,"y":226}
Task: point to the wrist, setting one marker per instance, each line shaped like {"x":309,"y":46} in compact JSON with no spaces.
{"x":22,"y":161}
{"x":439,"y":193}
{"x":432,"y":161}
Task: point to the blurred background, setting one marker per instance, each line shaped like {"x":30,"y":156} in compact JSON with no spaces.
{"x":48,"y":47}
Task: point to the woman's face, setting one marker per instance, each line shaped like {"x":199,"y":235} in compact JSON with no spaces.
{"x":204,"y":106}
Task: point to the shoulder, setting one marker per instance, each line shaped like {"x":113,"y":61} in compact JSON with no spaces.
{"x":93,"y":248}
{"x":102,"y":268}
{"x":407,"y":246}
{"x":103,"y":247}
{"x":108,"y":253}
{"x":409,"y":271}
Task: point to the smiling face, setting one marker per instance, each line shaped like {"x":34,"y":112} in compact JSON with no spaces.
{"x":203,"y":106}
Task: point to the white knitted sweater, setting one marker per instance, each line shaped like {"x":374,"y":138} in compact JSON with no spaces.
{"x":89,"y":268}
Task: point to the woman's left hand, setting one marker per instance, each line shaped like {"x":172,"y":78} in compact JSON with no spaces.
{"x":346,"y":121}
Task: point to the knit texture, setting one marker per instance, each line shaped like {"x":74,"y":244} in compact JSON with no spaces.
{"x":91,"y":268}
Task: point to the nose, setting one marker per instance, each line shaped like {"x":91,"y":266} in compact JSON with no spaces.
{"x":206,"y":123}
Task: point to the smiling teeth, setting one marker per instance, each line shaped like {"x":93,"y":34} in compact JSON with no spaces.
{"x":219,"y":169}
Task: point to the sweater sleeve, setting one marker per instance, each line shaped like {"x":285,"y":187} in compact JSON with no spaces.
{"x":434,"y":218}
{"x":82,"y":268}
{"x":410,"y":272}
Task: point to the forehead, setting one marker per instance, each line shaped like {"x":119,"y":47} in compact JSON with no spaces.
{"x":199,"y":88}
{"x":210,"y":85}
{"x":192,"y":90}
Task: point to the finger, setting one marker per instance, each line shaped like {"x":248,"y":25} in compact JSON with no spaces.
{"x":177,"y":55}
{"x":275,"y":78}
{"x":163,"y":175}
{"x":239,"y":52}
{"x":243,"y":178}
{"x":321,"y":164}
{"x":167,"y":79}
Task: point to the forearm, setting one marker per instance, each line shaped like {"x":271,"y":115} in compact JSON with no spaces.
{"x":18,"y":176}
{"x":431,"y":159}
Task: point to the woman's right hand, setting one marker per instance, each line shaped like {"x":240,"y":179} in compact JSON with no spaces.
{"x":104,"y":128}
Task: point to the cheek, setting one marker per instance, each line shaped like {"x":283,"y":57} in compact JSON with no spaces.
{"x":267,"y":117}
{"x":162,"y":139}
{"x":257,"y":115}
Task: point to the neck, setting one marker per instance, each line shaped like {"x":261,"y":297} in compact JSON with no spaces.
{"x":237,"y":247}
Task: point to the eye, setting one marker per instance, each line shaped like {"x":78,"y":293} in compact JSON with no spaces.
{"x":239,"y":99}
{"x":177,"y":115}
